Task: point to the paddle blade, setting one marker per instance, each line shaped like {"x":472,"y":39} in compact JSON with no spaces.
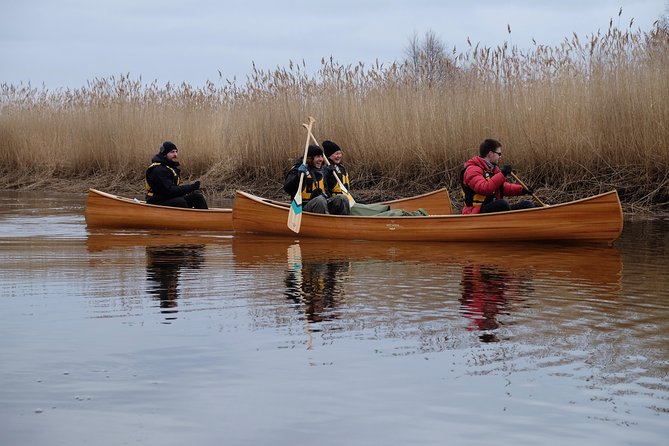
{"x":295,"y":214}
{"x":294,"y":257}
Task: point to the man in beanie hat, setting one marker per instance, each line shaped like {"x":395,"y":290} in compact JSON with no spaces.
{"x":162,"y":181}
{"x":314,"y":197}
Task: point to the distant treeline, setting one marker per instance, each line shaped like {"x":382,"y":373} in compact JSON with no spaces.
{"x":575,"y":119}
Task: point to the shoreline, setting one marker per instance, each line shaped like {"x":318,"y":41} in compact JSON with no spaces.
{"x":216,"y":196}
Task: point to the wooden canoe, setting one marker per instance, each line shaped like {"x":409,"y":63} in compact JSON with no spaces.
{"x":111,"y":211}
{"x":105,"y":210}
{"x":595,"y":219}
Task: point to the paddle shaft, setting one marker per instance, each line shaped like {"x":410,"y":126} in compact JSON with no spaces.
{"x":295,"y":214}
{"x":525,"y":186}
{"x":327,"y":161}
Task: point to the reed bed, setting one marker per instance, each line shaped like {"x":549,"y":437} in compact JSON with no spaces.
{"x":575,"y":119}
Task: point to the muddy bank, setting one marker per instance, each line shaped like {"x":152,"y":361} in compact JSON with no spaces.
{"x":223,"y":193}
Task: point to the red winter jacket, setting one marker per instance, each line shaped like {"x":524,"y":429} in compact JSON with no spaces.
{"x":480,"y":184}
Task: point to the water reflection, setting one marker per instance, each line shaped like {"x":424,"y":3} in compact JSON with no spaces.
{"x":164,"y":265}
{"x":103,"y":239}
{"x":594,"y":263}
{"x":407,"y":287}
{"x":314,"y":284}
{"x":485,"y":295}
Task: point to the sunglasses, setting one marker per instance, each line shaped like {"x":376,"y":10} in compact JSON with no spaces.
{"x":498,"y":153}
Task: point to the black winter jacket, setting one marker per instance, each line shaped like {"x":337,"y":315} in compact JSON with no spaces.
{"x":162,"y":180}
{"x":312,"y":184}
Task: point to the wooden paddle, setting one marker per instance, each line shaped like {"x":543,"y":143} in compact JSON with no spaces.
{"x":344,"y":191}
{"x":523,"y":184}
{"x":295,"y":214}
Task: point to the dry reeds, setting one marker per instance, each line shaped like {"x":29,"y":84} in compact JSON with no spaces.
{"x":578,"y":118}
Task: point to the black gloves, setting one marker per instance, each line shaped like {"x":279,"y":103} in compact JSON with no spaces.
{"x":316,"y":192}
{"x":196,"y":185}
{"x":330,"y":168}
{"x":527,"y":191}
{"x":506,"y":170}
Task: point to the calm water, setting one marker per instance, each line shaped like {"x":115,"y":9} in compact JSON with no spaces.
{"x":159,"y":338}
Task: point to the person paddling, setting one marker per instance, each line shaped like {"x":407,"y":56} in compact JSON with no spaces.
{"x":334,"y":154}
{"x":163,"y":178}
{"x":484,"y":184}
{"x":314,"y":196}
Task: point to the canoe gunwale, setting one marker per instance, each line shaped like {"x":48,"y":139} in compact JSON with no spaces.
{"x":425,"y":195}
{"x":397,"y":201}
{"x":143,"y":203}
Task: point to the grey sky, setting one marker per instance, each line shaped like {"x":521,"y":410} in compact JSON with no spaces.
{"x":64,"y":43}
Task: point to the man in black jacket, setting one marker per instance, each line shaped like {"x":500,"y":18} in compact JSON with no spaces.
{"x":162,"y":181}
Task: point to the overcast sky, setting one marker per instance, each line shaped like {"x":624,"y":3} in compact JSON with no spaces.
{"x":64,"y":43}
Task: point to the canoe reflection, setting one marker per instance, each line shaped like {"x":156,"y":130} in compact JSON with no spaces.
{"x":102,"y":239}
{"x":484,"y":283}
{"x":593,"y":263}
{"x":164,"y":266}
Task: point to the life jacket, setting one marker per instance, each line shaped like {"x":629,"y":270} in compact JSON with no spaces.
{"x":147,"y":186}
{"x":470,"y":197}
{"x":340,"y":172}
{"x":309,"y":185}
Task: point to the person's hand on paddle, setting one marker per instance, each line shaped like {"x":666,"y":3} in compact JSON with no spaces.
{"x":330,"y":168}
{"x":196,"y":185}
{"x":506,"y":170}
{"x":303,"y":168}
{"x":316,"y":192}
{"x":529,"y":191}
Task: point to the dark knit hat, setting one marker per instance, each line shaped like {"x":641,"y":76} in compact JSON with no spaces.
{"x":167,"y":147}
{"x":314,"y":150}
{"x":329,"y":148}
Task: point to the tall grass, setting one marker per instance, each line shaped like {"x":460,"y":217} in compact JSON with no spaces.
{"x":575,"y":119}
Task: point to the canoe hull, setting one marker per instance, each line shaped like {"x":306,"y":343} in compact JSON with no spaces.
{"x":105,"y":210}
{"x":595,"y":219}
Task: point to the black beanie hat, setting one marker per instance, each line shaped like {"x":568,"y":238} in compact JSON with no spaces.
{"x":329,"y":148}
{"x":167,"y":147}
{"x":314,"y":150}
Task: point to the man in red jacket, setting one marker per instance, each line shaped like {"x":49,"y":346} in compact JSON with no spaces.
{"x":484,"y":184}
